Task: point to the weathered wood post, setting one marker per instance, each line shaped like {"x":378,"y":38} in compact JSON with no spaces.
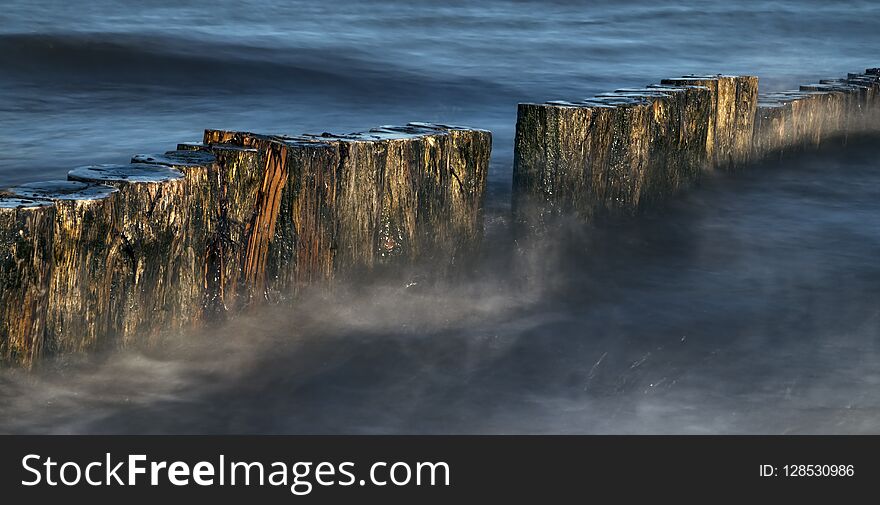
{"x":618,"y":152}
{"x":151,"y":212}
{"x":231,"y":262}
{"x":732,"y":119}
{"x":850,"y":103}
{"x":85,"y":255}
{"x":26,"y":228}
{"x":772,"y":131}
{"x":871,"y":81}
{"x":127,"y":251}
{"x":555,"y":160}
{"x":677,"y":138}
{"x":468,"y":168}
{"x":586,"y":158}
{"x":288,"y":235}
{"x":816,"y":114}
{"x":199,"y":274}
{"x":355,"y":201}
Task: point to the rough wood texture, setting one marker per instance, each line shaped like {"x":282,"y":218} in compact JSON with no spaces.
{"x":199,"y":273}
{"x":678,"y":132}
{"x":85,"y":255}
{"x":305,"y":244}
{"x":732,"y":119}
{"x":289,"y":236}
{"x":772,"y":134}
{"x":347,"y":202}
{"x":816,"y":114}
{"x":172,"y":239}
{"x":232,"y":180}
{"x":151,"y":212}
{"x":871,"y":81}
{"x":26,"y":228}
{"x":465,"y":183}
{"x":552,"y":162}
{"x":626,"y":154}
{"x":612,"y":154}
{"x":370,"y":228}
{"x":241,"y":176}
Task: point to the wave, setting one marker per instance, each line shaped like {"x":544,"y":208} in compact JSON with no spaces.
{"x":195,"y":66}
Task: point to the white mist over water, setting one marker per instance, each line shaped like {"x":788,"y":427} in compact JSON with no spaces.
{"x":749,"y":306}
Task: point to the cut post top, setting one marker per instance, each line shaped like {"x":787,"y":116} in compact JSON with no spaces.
{"x":132,"y":173}
{"x":718,"y":76}
{"x":618,"y":100}
{"x":12,"y":202}
{"x":62,"y":190}
{"x":603,"y":101}
{"x":769,"y":102}
{"x":220,"y":148}
{"x":788,"y":96}
{"x":681,"y":88}
{"x":443,"y":126}
{"x":407,"y":131}
{"x":580,"y":104}
{"x":374,"y":135}
{"x":843,"y":87}
{"x":181,"y":158}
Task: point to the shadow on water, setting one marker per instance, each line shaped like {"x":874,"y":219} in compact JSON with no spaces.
{"x":747,"y":306}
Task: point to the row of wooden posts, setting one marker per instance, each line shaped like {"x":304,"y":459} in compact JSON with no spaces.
{"x":620,"y":152}
{"x":118,"y":254}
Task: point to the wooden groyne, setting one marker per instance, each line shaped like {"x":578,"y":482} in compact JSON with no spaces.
{"x":620,"y":152}
{"x":117,"y":254}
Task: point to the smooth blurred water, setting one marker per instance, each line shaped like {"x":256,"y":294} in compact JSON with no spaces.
{"x":95,"y":81}
{"x":750,"y":305}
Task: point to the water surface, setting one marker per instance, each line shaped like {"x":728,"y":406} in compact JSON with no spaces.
{"x":748,"y":306}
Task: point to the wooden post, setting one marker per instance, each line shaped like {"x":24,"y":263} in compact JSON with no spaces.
{"x":26,"y":228}
{"x":85,"y":254}
{"x":871,"y":81}
{"x":557,"y":154}
{"x":468,"y":166}
{"x":772,"y":128}
{"x":732,"y":119}
{"x":301,"y":245}
{"x":586,"y":158}
{"x":612,"y":154}
{"x":306,"y":242}
{"x":290,"y":235}
{"x":199,"y":286}
{"x":241,"y":178}
{"x":677,"y":136}
{"x":151,"y":212}
{"x":691,"y":125}
{"x":347,"y":202}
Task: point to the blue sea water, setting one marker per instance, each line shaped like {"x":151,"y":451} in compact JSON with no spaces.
{"x":94,"y":81}
{"x":749,"y":306}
